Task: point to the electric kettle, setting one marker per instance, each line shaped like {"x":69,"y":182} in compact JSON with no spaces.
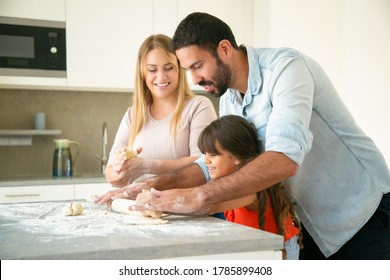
{"x":62,"y":160}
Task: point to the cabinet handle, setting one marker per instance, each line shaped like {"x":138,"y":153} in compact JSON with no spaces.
{"x":21,"y":195}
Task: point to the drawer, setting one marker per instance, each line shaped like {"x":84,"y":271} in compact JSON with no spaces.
{"x":36,"y":193}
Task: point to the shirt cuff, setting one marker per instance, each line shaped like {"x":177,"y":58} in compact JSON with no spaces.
{"x":203,"y":166}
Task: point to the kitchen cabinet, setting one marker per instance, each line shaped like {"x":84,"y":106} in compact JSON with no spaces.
{"x":34,"y":9}
{"x":237,"y":14}
{"x":103,"y":38}
{"x":51,"y":10}
{"x":52,"y":189}
{"x":165,"y":18}
{"x":36,"y":193}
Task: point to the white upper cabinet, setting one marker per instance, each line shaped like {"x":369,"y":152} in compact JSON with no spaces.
{"x":103,"y":38}
{"x":51,"y":10}
{"x":237,"y":14}
{"x":165,"y":17}
{"x":34,"y":9}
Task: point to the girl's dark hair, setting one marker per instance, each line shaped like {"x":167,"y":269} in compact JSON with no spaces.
{"x":282,"y":207}
{"x":234,"y":133}
{"x":203,"y":30}
{"x":237,"y":136}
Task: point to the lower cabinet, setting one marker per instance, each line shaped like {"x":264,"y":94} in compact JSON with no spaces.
{"x":36,"y":193}
{"x":51,"y":192}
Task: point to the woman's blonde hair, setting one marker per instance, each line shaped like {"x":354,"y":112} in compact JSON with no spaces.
{"x":142,"y":98}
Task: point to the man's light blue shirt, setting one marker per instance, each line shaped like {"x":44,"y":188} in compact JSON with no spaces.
{"x":297,"y":111}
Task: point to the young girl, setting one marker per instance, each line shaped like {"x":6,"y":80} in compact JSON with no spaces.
{"x":229,"y":143}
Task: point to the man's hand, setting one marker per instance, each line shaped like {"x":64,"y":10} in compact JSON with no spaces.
{"x":180,"y":201}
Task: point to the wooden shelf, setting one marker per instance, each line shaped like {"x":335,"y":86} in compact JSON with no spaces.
{"x":23,"y":137}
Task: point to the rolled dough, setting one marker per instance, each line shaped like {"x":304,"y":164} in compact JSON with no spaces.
{"x":122,"y":206}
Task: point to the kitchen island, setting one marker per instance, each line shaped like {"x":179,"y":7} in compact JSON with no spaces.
{"x":39,"y":230}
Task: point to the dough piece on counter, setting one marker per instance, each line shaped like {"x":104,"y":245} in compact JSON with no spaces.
{"x":122,"y":206}
{"x":73,"y":209}
{"x":91,"y":197}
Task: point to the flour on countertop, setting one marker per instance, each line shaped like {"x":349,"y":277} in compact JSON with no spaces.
{"x":96,"y":220}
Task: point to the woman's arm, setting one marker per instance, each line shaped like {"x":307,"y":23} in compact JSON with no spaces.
{"x":164,"y":166}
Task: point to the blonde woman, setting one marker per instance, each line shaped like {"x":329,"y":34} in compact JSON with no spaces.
{"x":165,"y":120}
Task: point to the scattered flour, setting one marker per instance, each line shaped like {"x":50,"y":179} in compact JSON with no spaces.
{"x":98,"y":220}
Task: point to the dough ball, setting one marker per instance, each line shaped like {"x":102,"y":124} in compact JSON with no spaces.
{"x":67,"y":210}
{"x":73,"y":209}
{"x":77,"y":208}
{"x":130,"y":153}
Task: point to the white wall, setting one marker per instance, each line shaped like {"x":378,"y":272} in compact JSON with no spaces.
{"x":367,"y":67}
{"x":350,"y":39}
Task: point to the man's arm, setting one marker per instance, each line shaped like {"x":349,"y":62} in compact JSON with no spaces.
{"x":259,"y":174}
{"x":186,"y":177}
{"x":266,"y":170}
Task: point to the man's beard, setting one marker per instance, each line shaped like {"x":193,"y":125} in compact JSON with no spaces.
{"x":221,"y":78}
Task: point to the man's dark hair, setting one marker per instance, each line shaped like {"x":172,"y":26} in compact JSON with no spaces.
{"x":203,"y":30}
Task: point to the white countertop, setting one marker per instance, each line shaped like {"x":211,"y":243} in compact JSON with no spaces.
{"x":40,"y":231}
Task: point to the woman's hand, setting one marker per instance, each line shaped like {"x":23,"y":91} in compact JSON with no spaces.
{"x":126,"y":168}
{"x":120,"y":159}
{"x":129,"y":170}
{"x":107,"y":197}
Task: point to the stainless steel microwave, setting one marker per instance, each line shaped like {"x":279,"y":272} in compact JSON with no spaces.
{"x":32,"y":48}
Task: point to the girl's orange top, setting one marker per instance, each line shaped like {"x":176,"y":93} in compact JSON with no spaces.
{"x":250,"y":218}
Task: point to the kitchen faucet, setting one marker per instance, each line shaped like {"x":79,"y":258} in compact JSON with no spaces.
{"x":104,"y":158}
